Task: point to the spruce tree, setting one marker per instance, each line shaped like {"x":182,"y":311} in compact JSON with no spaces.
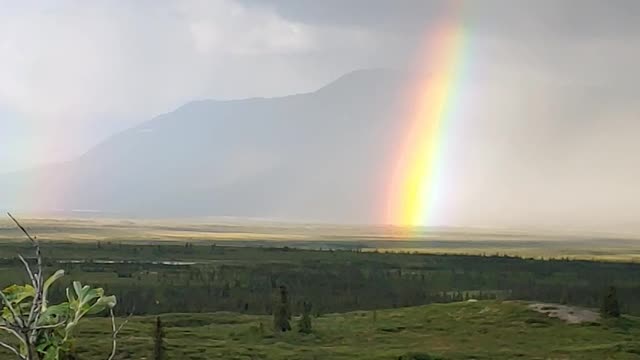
{"x":304,"y":326}
{"x":610,"y":305}
{"x":282,"y":311}
{"x":159,"y":350}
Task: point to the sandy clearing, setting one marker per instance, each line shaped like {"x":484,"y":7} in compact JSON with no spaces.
{"x":570,"y":314}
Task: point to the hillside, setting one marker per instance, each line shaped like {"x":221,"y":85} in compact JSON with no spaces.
{"x":307,"y":156}
{"x":482,"y":330}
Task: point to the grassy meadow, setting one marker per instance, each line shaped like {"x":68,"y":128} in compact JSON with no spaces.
{"x":463,"y":330}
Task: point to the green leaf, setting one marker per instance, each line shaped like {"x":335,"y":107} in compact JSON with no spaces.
{"x":17,"y":293}
{"x":88,"y":295}
{"x":77,"y":286}
{"x":6,"y":314}
{"x":103,"y":303}
{"x":47,"y":284}
{"x":53,"y":353}
{"x":110,"y":301}
{"x":55,"y":314}
{"x":72,"y":300}
{"x":42,"y":347}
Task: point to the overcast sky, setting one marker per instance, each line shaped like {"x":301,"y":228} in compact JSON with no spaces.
{"x":74,"y":72}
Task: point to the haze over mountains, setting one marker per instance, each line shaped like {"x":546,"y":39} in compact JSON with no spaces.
{"x":327,"y":156}
{"x":309,"y":156}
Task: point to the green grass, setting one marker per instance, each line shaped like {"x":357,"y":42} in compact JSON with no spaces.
{"x":482,"y":330}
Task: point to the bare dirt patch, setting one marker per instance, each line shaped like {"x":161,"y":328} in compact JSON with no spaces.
{"x":570,"y":314}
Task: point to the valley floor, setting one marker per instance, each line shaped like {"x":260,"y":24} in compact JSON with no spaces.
{"x":464,"y":330}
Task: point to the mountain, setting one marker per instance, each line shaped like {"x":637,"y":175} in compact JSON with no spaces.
{"x":320,"y":156}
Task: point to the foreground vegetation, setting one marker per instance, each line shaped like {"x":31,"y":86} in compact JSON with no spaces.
{"x":39,"y":329}
{"x":464,"y":330}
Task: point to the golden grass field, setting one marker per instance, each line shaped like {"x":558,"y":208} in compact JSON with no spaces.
{"x":557,"y":244}
{"x":537,"y":244}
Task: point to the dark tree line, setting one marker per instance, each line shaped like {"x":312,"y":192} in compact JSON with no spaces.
{"x":246,"y":279}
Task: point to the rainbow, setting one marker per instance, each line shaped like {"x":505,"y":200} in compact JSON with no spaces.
{"x":433,"y":101}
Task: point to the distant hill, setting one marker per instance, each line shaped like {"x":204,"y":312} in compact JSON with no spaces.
{"x":320,"y":156}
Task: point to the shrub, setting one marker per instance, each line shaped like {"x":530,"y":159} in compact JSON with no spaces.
{"x":43,"y":331}
{"x":304,"y":325}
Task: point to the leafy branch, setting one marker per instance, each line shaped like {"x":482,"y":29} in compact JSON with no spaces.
{"x":41,"y":330}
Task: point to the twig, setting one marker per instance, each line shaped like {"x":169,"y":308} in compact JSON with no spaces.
{"x":13,"y":332}
{"x":114,"y":342}
{"x":36,"y":279}
{"x":114,"y":332}
{"x":22,"y":228}
{"x":13,"y":350}
{"x":36,"y":304}
{"x":28,"y":268}
{"x":36,"y":245}
{"x":49,"y":326}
